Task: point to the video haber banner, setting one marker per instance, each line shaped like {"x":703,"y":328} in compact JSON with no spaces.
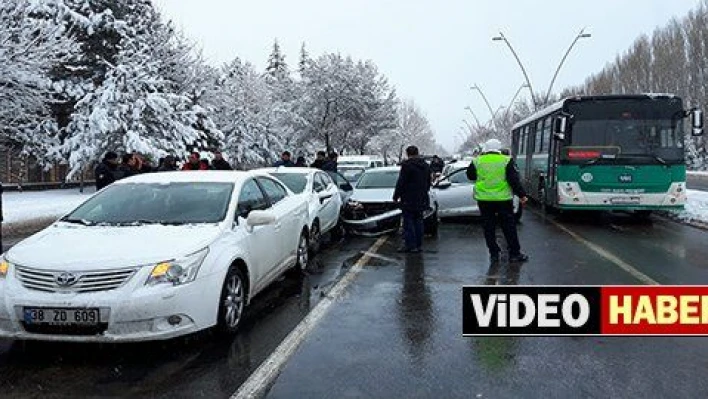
{"x":584,"y":310}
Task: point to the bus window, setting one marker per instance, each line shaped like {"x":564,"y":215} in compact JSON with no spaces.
{"x":538,"y":144}
{"x":522,"y":142}
{"x":545,"y":142}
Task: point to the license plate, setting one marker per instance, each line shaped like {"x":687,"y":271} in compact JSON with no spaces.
{"x":625,"y":201}
{"x":58,"y":316}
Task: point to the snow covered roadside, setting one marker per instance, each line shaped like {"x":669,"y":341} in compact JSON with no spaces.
{"x":26,"y":211}
{"x":696,"y":211}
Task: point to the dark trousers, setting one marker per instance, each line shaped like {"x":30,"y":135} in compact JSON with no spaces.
{"x":499,"y":212}
{"x":413,"y":229}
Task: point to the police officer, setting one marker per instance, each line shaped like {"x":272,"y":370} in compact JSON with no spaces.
{"x":496,"y":181}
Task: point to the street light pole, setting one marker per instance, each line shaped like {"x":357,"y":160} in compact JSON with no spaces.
{"x":473,"y":115}
{"x":501,"y":37}
{"x":580,"y":35}
{"x":479,"y":89}
{"x":511,"y":103}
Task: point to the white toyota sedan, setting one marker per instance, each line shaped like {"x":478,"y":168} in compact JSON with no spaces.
{"x":152,"y":257}
{"x":322,"y":195}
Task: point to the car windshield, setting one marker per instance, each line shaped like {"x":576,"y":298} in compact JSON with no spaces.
{"x":296,"y":182}
{"x":155,"y":203}
{"x":378,"y":179}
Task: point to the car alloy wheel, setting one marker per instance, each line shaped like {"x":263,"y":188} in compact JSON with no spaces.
{"x":303,"y":249}
{"x":233,"y":301}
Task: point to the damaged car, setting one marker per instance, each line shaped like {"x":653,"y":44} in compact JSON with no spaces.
{"x":371,"y":211}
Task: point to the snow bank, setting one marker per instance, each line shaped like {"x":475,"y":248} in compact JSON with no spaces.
{"x":696,"y":208}
{"x":19,"y":207}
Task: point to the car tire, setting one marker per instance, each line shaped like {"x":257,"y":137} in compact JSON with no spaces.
{"x":315,"y":237}
{"x":232,"y":302}
{"x":303,"y":251}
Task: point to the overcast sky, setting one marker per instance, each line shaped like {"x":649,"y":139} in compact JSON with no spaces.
{"x":432,"y":51}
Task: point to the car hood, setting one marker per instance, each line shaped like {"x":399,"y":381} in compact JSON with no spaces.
{"x":75,"y":248}
{"x":373,"y":195}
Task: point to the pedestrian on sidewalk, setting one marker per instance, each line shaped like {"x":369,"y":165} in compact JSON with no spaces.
{"x":219,"y":163}
{"x":412,"y":193}
{"x":496,"y":180}
{"x":105,"y":172}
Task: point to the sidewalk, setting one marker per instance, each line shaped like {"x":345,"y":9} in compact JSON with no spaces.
{"x":29,"y":211}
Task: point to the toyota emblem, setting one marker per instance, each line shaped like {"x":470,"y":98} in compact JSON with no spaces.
{"x":66,"y":279}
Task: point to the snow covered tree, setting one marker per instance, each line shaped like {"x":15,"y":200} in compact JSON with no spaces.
{"x":30,"y":45}
{"x":142,"y":104}
{"x":304,"y":59}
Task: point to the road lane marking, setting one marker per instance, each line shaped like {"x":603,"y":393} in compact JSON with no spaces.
{"x":606,"y":254}
{"x":260,"y":381}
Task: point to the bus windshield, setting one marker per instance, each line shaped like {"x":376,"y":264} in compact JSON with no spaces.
{"x":647,"y":131}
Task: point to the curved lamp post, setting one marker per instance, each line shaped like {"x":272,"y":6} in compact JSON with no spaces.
{"x":503,"y":38}
{"x":580,"y":35}
{"x":473,"y":115}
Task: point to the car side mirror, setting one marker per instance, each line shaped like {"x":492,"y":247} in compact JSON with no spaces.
{"x":697,"y":122}
{"x":260,"y":218}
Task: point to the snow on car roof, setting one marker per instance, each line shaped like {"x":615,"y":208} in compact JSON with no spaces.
{"x":190,"y":176}
{"x":383,"y":169}
{"x":289,"y":170}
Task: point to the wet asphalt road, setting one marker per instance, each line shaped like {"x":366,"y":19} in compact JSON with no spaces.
{"x":397,"y":331}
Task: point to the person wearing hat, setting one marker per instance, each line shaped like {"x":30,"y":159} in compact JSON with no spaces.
{"x":497,"y":180}
{"x":105,"y":172}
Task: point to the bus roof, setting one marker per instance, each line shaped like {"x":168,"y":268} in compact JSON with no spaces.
{"x":560,"y":104}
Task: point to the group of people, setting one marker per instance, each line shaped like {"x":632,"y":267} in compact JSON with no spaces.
{"x":113,"y":167}
{"x":496,"y":180}
{"x":323,"y":161}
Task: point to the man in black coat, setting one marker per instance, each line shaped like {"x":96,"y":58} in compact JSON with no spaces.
{"x":412,"y":194}
{"x":219,"y":163}
{"x":105,"y":172}
{"x":320,"y":161}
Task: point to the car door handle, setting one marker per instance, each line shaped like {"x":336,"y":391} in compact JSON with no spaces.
{"x":325,"y":198}
{"x":277,"y":226}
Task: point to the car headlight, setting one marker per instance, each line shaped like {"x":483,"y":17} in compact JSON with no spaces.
{"x":4,"y":267}
{"x":179,"y":271}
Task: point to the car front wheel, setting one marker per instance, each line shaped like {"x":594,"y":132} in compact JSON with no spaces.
{"x":303,"y":249}
{"x":232,"y":302}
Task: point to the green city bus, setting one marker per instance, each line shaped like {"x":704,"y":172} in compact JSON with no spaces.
{"x":613,"y":153}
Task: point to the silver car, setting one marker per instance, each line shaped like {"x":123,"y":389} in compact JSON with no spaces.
{"x":455,"y":195}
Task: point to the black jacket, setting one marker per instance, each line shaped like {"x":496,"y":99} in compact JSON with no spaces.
{"x":330,"y":166}
{"x":437,"y":166}
{"x":512,"y":177}
{"x":221,"y":164}
{"x":319,"y":163}
{"x":104,"y":174}
{"x":413,"y":185}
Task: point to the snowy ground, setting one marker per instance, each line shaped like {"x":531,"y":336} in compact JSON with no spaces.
{"x":696,"y":208}
{"x":32,"y":205}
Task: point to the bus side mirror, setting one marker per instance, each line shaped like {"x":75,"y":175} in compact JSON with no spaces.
{"x":560,"y":127}
{"x":697,"y":122}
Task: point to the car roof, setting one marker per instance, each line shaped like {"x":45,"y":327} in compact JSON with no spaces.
{"x":191,"y":177}
{"x":290,"y":170}
{"x":383,"y":169}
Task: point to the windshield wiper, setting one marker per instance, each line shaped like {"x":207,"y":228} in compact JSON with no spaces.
{"x":141,"y":222}
{"x":77,"y":221}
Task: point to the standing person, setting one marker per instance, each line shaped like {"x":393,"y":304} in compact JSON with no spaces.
{"x":105,"y":172}
{"x":204,"y":164}
{"x":169,"y":164}
{"x":320,"y":160}
{"x":192,"y":162}
{"x":301,"y":163}
{"x":284,"y":160}
{"x":436,"y":164}
{"x":219,"y":163}
{"x":129,"y":166}
{"x":412,"y":193}
{"x":331,"y":164}
{"x":496,"y":181}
